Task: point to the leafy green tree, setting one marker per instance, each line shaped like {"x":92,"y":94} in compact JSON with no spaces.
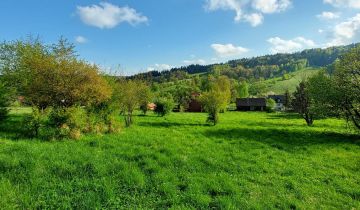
{"x":52,"y":76}
{"x":243,"y":89}
{"x":302,"y":103}
{"x":182,"y":95}
{"x":347,"y":83}
{"x":288,"y":98}
{"x":145,"y":98}
{"x":130,"y":94}
{"x":323,"y":95}
{"x":234,"y":90}
{"x":164,"y":106}
{"x":257,"y":89}
{"x":216,"y":99}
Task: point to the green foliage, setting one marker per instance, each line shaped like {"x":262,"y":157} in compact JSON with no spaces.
{"x":279,"y":86}
{"x":60,"y":123}
{"x":216,"y":99}
{"x":146,"y":96}
{"x":257,"y":89}
{"x":267,"y":67}
{"x":288,"y":99}
{"x":130,"y":94}
{"x":4,"y":100}
{"x":182,"y":95}
{"x":243,"y":89}
{"x":270,"y":105}
{"x":33,"y":123}
{"x":286,"y":77}
{"x":67,"y":122}
{"x":52,"y":76}
{"x":323,"y":95}
{"x":302,"y":103}
{"x":164,"y":106}
{"x":347,"y":86}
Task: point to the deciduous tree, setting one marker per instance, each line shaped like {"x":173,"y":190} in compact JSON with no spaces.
{"x":130,"y":96}
{"x":302,"y":102}
{"x":216,"y":98}
{"x":243,"y":89}
{"x":347,"y":83}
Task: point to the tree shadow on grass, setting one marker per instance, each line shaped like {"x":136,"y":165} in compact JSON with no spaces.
{"x":169,"y":124}
{"x":286,"y":115}
{"x":286,"y":139}
{"x":11,"y":128}
{"x":146,"y":115}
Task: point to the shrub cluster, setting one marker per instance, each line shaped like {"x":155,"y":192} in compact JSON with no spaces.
{"x":71,"y":123}
{"x":164,"y":105}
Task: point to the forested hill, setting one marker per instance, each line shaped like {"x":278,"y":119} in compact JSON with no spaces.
{"x":267,"y":66}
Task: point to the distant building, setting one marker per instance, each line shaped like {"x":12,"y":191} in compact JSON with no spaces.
{"x":194,"y":104}
{"x":251,"y":104}
{"x":151,"y":106}
{"x":280,"y":100}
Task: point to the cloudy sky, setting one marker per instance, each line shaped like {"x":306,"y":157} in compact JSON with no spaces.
{"x":142,"y":35}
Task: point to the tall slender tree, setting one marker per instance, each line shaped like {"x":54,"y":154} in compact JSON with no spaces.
{"x":302,"y":102}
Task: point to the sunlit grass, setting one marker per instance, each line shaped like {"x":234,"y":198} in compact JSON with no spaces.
{"x":249,"y":160}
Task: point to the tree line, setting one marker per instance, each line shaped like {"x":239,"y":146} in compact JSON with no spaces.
{"x":71,"y":97}
{"x":262,"y":67}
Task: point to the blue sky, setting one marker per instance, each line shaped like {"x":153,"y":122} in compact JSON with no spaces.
{"x":142,"y":35}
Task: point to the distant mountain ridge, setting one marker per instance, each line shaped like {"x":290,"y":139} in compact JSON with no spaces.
{"x":267,"y":66}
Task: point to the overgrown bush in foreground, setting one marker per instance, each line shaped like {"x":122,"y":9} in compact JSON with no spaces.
{"x":57,"y":84}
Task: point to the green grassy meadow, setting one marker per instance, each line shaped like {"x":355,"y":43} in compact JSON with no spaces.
{"x":278,"y":85}
{"x":248,"y":161}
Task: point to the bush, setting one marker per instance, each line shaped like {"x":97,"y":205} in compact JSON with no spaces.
{"x":101,"y":118}
{"x":3,"y":113}
{"x":4,"y":101}
{"x":270,"y":105}
{"x":33,"y":123}
{"x":144,"y":108}
{"x":59,"y":123}
{"x":164,"y":106}
{"x":67,"y":122}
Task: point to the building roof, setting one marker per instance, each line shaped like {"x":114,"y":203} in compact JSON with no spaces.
{"x":277,"y":98}
{"x":251,"y":102}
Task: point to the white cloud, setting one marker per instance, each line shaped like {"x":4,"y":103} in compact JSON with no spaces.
{"x":159,"y":67}
{"x":355,"y":4}
{"x":328,"y":15}
{"x":271,"y":6}
{"x":228,"y":50}
{"x":197,"y":61}
{"x":254,"y":19}
{"x":247,"y":11}
{"x":81,"y":39}
{"x":106,"y":15}
{"x":345,"y":32}
{"x":287,"y":46}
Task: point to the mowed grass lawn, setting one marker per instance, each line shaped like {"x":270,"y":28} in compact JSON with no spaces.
{"x":248,"y":161}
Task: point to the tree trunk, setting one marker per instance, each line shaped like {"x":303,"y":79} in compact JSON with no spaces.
{"x":308,"y":119}
{"x":128,"y":119}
